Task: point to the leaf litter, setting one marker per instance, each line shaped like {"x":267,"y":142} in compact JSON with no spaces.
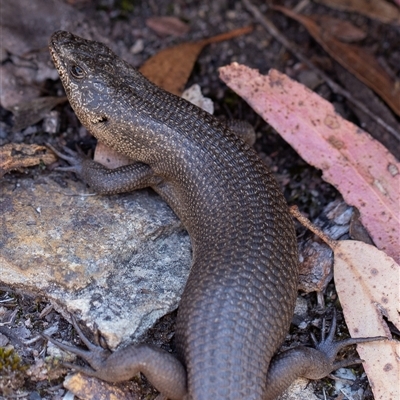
{"x":354,"y":58}
{"x":366,"y":280}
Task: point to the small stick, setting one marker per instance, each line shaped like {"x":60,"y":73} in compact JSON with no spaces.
{"x":294,"y":210}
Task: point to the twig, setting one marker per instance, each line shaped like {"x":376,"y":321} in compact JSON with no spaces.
{"x":274,"y":31}
{"x":294,"y":210}
{"x":12,"y":318}
{"x":76,"y":194}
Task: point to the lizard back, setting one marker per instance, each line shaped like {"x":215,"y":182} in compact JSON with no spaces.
{"x":239,"y":299}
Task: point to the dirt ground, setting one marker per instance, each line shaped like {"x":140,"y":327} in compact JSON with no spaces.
{"x":125,"y":21}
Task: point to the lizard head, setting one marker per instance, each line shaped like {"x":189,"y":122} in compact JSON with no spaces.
{"x":93,"y":77}
{"x":83,"y":79}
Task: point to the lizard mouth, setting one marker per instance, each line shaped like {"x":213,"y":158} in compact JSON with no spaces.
{"x":61,"y":48}
{"x":55,"y":57}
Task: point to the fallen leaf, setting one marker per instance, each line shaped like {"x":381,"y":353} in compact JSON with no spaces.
{"x":366,"y":280}
{"x":31,"y":112}
{"x":365,"y":172}
{"x":345,"y":31}
{"x":355,"y":59}
{"x":164,"y":26}
{"x":15,"y":156}
{"x":170,"y":68}
{"x":378,"y":9}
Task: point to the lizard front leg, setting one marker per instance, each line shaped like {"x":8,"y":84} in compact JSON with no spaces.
{"x":104,"y":180}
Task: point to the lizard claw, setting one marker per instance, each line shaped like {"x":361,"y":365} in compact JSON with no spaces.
{"x":74,"y":158}
{"x":96,"y":355}
{"x":330,"y":348}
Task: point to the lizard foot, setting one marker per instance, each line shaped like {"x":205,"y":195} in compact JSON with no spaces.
{"x":310,"y":363}
{"x":330,"y":348}
{"x":96,"y":355}
{"x":161,"y":368}
{"x":74,"y":158}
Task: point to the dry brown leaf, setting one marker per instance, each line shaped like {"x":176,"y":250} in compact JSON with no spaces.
{"x":164,"y":26}
{"x":377,"y":9}
{"x":31,"y":112}
{"x":15,"y":156}
{"x":345,"y":31}
{"x":355,"y":59}
{"x":365,"y":172}
{"x":171,"y":68}
{"x":367,"y":282}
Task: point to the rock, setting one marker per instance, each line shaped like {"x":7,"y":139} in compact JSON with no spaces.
{"x":118,"y":261}
{"x":90,"y":388}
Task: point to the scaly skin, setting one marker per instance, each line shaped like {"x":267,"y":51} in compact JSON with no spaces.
{"x":239,"y":299}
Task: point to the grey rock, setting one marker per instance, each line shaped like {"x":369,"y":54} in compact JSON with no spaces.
{"x":118,"y":261}
{"x":51,"y":122}
{"x":3,"y":340}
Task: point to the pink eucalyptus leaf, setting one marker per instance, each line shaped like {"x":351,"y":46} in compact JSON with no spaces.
{"x":363,"y":170}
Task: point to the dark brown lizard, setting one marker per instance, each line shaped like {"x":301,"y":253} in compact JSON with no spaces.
{"x":239,"y":299}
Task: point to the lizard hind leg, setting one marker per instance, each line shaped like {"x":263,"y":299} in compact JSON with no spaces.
{"x":310,"y":363}
{"x":162,"y":369}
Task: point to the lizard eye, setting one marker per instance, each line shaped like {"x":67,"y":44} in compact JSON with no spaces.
{"x":77,"y":71}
